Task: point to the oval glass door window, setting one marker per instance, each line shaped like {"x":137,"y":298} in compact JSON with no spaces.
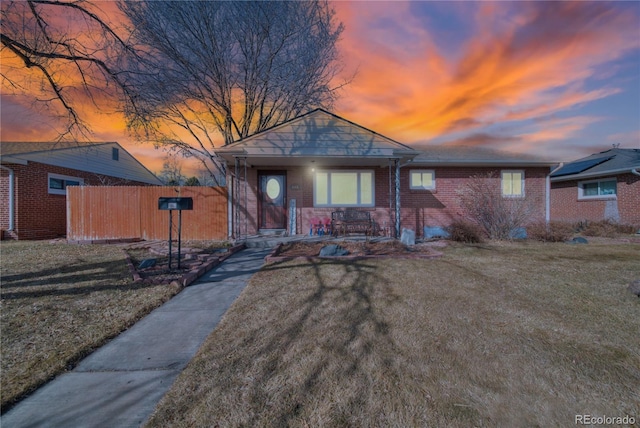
{"x":273,"y":188}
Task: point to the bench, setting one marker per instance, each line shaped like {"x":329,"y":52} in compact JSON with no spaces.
{"x":351,"y":221}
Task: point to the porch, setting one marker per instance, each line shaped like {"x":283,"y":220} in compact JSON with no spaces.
{"x":272,"y":240}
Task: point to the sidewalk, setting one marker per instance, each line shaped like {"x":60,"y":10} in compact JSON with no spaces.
{"x":120,"y":384}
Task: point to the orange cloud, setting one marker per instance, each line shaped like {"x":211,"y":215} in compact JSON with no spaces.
{"x":532,"y":64}
{"x":517,"y":62}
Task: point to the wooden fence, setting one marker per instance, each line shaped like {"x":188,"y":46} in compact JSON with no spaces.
{"x":96,"y":213}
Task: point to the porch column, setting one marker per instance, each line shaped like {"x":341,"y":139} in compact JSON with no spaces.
{"x":236,"y":200}
{"x":391,"y":187}
{"x":397,"y":198}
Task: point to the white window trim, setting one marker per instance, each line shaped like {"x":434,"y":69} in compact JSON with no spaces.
{"x":582,"y":196}
{"x":422,"y":171}
{"x":61,"y":177}
{"x":511,"y":171}
{"x":358,"y":171}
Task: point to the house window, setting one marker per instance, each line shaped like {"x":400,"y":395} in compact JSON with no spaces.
{"x":422,"y":179}
{"x":58,"y":183}
{"x":343,"y":189}
{"x":115,"y":154}
{"x":513,"y":183}
{"x":597,"y":189}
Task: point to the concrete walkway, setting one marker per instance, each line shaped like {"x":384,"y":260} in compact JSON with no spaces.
{"x":120,"y":384}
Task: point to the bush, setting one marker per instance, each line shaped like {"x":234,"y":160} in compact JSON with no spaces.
{"x":606,"y":229}
{"x":554,"y":231}
{"x":482,"y":202}
{"x":465,"y":231}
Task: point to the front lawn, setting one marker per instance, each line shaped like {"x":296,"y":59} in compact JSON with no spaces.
{"x":502,"y":334}
{"x":60,"y":302}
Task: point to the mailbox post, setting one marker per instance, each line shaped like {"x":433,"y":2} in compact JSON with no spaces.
{"x":171,"y":204}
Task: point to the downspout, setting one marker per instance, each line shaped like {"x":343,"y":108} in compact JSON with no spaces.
{"x":548,"y":193}
{"x":11,"y":196}
{"x":634,"y":171}
{"x":397,"y":199}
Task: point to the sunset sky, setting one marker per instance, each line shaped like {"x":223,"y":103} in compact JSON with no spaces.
{"x":556,"y":79}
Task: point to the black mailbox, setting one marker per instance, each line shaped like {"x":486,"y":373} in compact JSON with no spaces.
{"x":175,"y":203}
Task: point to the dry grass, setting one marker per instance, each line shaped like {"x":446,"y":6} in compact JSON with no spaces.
{"x":60,"y":302}
{"x":510,"y":334}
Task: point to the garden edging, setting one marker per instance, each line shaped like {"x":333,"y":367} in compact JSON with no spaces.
{"x":188,"y":277}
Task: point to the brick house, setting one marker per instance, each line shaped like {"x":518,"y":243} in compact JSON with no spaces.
{"x":602,"y":186}
{"x":288,"y":177}
{"x":34,"y":178}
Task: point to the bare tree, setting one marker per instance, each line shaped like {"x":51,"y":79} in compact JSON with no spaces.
{"x":171,"y":174}
{"x":74,"y":53}
{"x":226,"y":70}
{"x":192,"y":181}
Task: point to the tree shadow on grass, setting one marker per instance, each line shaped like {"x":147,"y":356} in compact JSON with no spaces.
{"x":101,"y":276}
{"x":357,"y":336}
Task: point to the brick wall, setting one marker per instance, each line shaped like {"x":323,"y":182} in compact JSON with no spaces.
{"x":565,"y":205}
{"x":419,"y":208}
{"x":39,"y":214}
{"x":4,"y":200}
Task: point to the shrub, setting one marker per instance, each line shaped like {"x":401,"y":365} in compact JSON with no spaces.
{"x":554,"y":231}
{"x":465,"y":231}
{"x":482,"y":202}
{"x":606,"y":229}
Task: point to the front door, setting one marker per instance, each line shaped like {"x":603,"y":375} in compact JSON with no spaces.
{"x":272,"y":209}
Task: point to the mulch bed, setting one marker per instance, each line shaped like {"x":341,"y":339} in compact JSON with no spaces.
{"x":370,"y":249}
{"x":194,"y":262}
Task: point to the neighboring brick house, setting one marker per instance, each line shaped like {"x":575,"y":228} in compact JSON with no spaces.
{"x":287,"y":177}
{"x":34,"y":177}
{"x":603,"y":186}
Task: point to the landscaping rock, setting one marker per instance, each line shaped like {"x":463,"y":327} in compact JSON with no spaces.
{"x":434,"y":232}
{"x":634,"y":287}
{"x":147,"y":263}
{"x":332,"y":251}
{"x":578,"y":240}
{"x":518,"y":233}
{"x":408,"y":237}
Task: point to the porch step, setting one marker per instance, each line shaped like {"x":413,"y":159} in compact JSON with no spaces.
{"x":272,"y":232}
{"x":273,"y":241}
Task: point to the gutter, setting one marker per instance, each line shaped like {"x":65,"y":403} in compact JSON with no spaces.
{"x":483,"y":163}
{"x":595,"y":174}
{"x":11,"y":197}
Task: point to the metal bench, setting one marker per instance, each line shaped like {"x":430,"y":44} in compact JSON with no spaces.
{"x":351,"y":221}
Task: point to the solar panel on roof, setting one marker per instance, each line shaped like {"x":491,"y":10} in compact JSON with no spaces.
{"x":578,"y":167}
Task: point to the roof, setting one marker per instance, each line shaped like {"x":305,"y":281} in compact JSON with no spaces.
{"x":13,"y":148}
{"x":609,"y":162}
{"x":89,"y":157}
{"x":317,"y":136}
{"x":432,"y":155}
{"x":322,"y":138}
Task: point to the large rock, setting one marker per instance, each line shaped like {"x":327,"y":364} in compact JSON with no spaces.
{"x":578,"y":240}
{"x":408,"y":237}
{"x":147,"y":263}
{"x":432,"y":232}
{"x":518,"y":233}
{"x":634,"y":287}
{"x":332,"y":251}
